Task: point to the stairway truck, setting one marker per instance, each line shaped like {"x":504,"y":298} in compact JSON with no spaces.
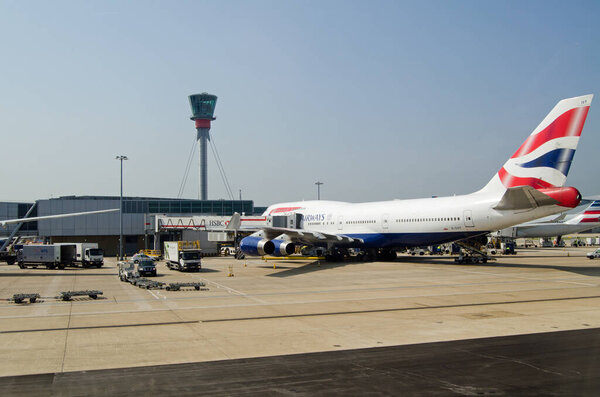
{"x":182,"y":259}
{"x":40,"y":255}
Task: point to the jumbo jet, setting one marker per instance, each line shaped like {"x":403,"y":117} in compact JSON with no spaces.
{"x":587,"y":219}
{"x":530,"y":185}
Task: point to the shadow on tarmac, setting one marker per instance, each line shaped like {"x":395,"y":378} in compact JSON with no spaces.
{"x":592,"y":271}
{"x":307,"y":268}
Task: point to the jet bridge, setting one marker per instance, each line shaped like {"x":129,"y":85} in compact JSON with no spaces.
{"x":292,"y":221}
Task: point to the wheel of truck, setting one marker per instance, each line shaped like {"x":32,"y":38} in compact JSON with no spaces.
{"x":11,"y":261}
{"x":51,"y":267}
{"x":94,"y":296}
{"x":197,"y":288}
{"x":180,"y":268}
{"x":22,"y":266}
{"x":61,"y":267}
{"x":154,"y":273}
{"x":484,"y":260}
{"x":168,"y":288}
{"x":32,"y":300}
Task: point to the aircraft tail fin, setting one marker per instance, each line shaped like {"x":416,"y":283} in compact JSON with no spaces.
{"x":234,"y":222}
{"x":591,"y":214}
{"x":544,"y":159}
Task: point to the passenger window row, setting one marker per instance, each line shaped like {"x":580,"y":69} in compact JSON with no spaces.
{"x":445,"y":219}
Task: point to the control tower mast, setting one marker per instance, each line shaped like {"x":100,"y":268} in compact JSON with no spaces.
{"x":203,"y":109}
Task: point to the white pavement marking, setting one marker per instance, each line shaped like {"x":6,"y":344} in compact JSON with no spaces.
{"x":356,"y":299}
{"x":236,"y":292}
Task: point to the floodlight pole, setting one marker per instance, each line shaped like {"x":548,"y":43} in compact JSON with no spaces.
{"x":121,"y":158}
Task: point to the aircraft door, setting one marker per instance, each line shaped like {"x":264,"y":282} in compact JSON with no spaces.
{"x":340,"y":222}
{"x":385,"y":221}
{"x":468,"y":218}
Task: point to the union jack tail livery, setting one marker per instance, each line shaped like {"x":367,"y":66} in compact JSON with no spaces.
{"x":544,"y":159}
{"x":591,"y":213}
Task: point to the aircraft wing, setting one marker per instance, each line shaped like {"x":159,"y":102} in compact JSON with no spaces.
{"x":306,"y":236}
{"x":38,"y":218}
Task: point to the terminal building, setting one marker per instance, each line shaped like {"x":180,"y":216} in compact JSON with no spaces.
{"x":138,"y":219}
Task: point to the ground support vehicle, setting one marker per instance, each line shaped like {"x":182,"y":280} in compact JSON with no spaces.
{"x":145,"y":267}
{"x":85,"y":254}
{"x":509,"y":248}
{"x":154,"y":254}
{"x":178,"y":286}
{"x":471,"y":252}
{"x":227,"y":250}
{"x":51,"y":256}
{"x":594,"y":255}
{"x":127,"y":271}
{"x":417,"y":251}
{"x":183,"y":255}
{"x":9,"y":257}
{"x":68,"y":295}
{"x":19,"y":298}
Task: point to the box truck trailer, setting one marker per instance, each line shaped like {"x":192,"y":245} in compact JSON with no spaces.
{"x":41,"y":255}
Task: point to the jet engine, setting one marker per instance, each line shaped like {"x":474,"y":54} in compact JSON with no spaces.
{"x":257,"y":246}
{"x":283,"y":247}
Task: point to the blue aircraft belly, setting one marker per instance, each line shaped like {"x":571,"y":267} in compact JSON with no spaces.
{"x":401,"y":240}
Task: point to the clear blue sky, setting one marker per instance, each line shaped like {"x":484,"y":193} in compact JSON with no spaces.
{"x":377,"y":99}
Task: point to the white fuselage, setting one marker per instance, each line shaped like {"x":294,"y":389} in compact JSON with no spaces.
{"x":407,"y":223}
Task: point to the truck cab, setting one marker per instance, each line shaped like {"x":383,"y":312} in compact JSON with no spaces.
{"x":189,"y":259}
{"x":94,"y":257}
{"x":183,"y":255}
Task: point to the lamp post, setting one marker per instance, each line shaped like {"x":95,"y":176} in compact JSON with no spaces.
{"x":318,"y":189}
{"x":121,"y":158}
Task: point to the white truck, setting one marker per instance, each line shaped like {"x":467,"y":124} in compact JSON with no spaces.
{"x":41,"y":255}
{"x":87,"y":254}
{"x":180,"y":256}
{"x":594,"y":255}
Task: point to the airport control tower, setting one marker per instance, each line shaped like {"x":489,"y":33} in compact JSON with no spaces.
{"x":203,"y":109}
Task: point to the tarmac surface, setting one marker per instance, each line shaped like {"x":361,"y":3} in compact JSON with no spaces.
{"x":305,"y":307}
{"x":503,"y":366}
